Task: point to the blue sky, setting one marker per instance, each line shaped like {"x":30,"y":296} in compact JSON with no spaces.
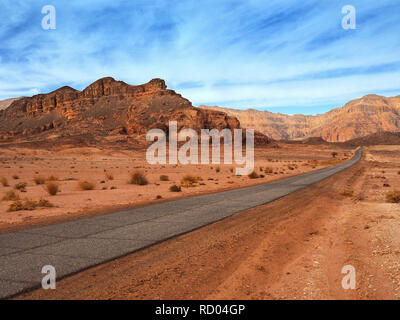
{"x":283,"y":56}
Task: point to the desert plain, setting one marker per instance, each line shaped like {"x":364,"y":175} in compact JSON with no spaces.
{"x":292,"y":248}
{"x":108,"y":171}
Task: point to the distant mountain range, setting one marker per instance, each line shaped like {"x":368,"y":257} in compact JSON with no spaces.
{"x":358,"y":118}
{"x":110,"y":110}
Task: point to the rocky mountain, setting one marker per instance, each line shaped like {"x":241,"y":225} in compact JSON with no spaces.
{"x":6,"y":103}
{"x":358,"y":118}
{"x":106,"y":108}
{"x":378,"y":138}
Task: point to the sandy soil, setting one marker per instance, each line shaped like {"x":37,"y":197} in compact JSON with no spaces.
{"x":70,"y":166}
{"x":293,"y":248}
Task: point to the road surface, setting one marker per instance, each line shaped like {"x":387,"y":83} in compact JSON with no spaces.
{"x":76,"y":245}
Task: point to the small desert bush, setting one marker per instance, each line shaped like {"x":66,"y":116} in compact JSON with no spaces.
{"x":347,"y":193}
{"x":86,"y":185}
{"x":52,"y":178}
{"x":4,"y":182}
{"x":52,"y":188}
{"x":164,"y":178}
{"x":175,"y":188}
{"x":28,"y":204}
{"x":138,"y":177}
{"x":10,"y":196}
{"x":17,"y":205}
{"x":217,"y":169}
{"x":20,"y":186}
{"x":39,"y":180}
{"x":393,"y":196}
{"x":268,"y":170}
{"x":253,"y":175}
{"x":15,"y":177}
{"x":109,"y":176}
{"x":190,"y":181}
{"x":44,"y":203}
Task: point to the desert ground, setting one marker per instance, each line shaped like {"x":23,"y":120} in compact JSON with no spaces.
{"x":108,"y":171}
{"x":292,"y":248}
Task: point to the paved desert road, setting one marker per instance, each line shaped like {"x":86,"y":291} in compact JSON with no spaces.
{"x":79,"y":244}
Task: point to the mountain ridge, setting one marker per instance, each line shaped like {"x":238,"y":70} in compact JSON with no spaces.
{"x":357,"y":118}
{"x":106,"y":107}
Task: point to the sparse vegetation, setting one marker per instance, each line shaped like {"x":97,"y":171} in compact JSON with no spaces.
{"x":217,"y":169}
{"x":393,"y":196}
{"x":52,"y":178}
{"x":253,"y":175}
{"x":10,"y":196}
{"x":20,"y":186}
{"x":86,"y":185}
{"x":15,"y":176}
{"x":4,"y":181}
{"x":39,"y":180}
{"x":28,"y":204}
{"x":334,"y":154}
{"x":190,"y":181}
{"x":164,"y":178}
{"x":347,"y":193}
{"x":268,"y":170}
{"x":109,"y":176}
{"x":52,"y":188}
{"x":175,"y":188}
{"x":138,"y":177}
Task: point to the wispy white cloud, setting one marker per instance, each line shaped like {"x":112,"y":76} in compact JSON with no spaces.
{"x":255,"y":53}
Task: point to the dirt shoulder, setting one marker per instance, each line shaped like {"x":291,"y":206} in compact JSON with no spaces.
{"x":293,"y":248}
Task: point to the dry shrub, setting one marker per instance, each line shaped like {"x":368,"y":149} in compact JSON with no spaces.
{"x":15,"y":206}
{"x":253,"y":175}
{"x":164,"y":178}
{"x":217,"y":169}
{"x":4,"y":181}
{"x":86,"y":185}
{"x":28,"y":204}
{"x":15,"y":177}
{"x":175,"y":188}
{"x":347,"y":193}
{"x":190,"y":181}
{"x":138,"y":178}
{"x":39,"y":180}
{"x":10,"y":196}
{"x":44,"y":203}
{"x":393,"y":196}
{"x":269,"y":170}
{"x":52,"y":188}
{"x":109,"y":176}
{"x":20,"y":186}
{"x":52,"y":178}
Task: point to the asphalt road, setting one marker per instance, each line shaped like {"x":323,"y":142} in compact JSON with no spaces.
{"x":76,"y":245}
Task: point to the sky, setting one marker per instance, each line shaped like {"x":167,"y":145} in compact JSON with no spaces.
{"x":279,"y":55}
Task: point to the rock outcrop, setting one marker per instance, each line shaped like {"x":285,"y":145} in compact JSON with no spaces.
{"x":358,"y":118}
{"x":106,"y":107}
